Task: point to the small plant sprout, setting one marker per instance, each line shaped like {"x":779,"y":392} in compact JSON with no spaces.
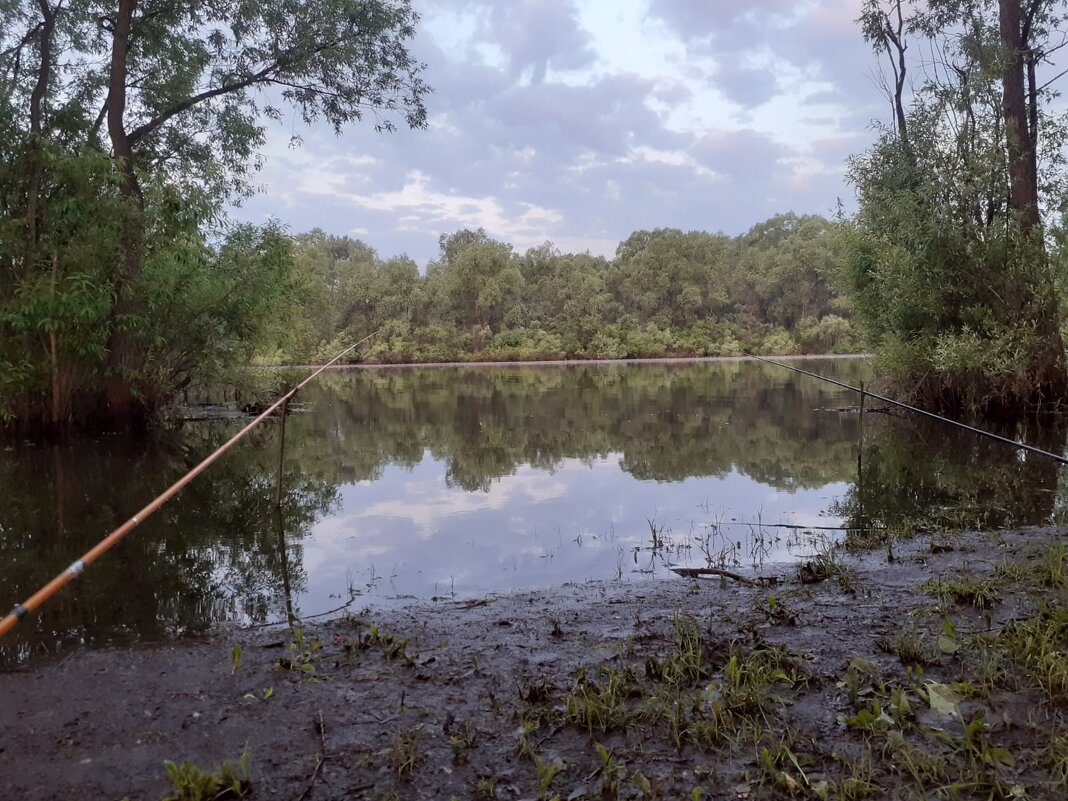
{"x":193,"y":784}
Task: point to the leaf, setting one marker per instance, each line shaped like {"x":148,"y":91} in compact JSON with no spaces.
{"x":642,"y":782}
{"x":999,"y":757}
{"x":948,"y":641}
{"x":235,"y":656}
{"x":947,"y":644}
{"x":942,"y":699}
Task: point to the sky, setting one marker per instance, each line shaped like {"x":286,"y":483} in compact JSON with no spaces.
{"x":581,"y":121}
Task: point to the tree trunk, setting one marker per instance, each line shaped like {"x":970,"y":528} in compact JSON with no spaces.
{"x":896,"y":37}
{"x":1046,"y":368}
{"x":1020,"y":146}
{"x":37,"y":98}
{"x":122,"y":408}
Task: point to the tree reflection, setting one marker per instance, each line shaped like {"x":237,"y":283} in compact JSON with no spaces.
{"x":210,"y":555}
{"x":923,"y":474}
{"x":668,"y":422}
{"x":214,"y":553}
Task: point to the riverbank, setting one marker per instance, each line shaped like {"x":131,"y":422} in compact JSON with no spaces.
{"x":943,"y":671}
{"x":481,"y":362}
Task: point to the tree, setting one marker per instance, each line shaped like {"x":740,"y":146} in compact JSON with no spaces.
{"x":948,"y":261}
{"x":177,"y":96}
{"x":480,"y":277}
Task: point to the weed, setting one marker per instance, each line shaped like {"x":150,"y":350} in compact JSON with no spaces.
{"x":1038,"y":646}
{"x":1054,"y":758}
{"x":546,"y":772}
{"x":656,"y":533}
{"x":1051,"y":570}
{"x":908,"y":646}
{"x":538,"y":693}
{"x":523,"y":748}
{"x":601,"y":705}
{"x":612,"y":773}
{"x":486,"y":787}
{"x":193,"y":784}
{"x":685,"y":666}
{"x":926,"y":769}
{"x":301,"y":653}
{"x":745,"y":693}
{"x":392,"y":648}
{"x":965,"y":590}
{"x":860,"y":783}
{"x":557,"y":630}
{"x":641,"y":781}
{"x":405,"y":753}
{"x":235,"y":658}
{"x":826,"y":564}
{"x":861,"y":679}
{"x":776,"y":611}
{"x":883,"y":714}
{"x":462,"y":742}
{"x":1010,"y":572}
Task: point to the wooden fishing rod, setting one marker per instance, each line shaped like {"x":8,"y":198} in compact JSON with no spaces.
{"x":78,"y":566}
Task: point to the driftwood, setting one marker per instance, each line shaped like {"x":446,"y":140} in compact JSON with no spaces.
{"x":696,"y":572}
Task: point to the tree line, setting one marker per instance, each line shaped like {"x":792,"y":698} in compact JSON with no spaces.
{"x":665,"y":293}
{"x":128,"y":126}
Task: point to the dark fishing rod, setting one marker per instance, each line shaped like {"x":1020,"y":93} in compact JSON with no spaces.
{"x":78,"y":566}
{"x":988,"y":434}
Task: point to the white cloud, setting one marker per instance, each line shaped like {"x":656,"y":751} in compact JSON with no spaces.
{"x":426,"y":504}
{"x":579,"y":121}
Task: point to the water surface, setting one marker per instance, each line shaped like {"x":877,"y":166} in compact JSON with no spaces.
{"x":453,"y":483}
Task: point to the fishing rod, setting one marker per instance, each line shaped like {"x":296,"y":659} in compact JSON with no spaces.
{"x":988,"y":434}
{"x":78,"y":566}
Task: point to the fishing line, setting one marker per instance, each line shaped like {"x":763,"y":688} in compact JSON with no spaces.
{"x":989,"y":435}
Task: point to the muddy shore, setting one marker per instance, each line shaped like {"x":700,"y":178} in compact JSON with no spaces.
{"x":940,"y":673}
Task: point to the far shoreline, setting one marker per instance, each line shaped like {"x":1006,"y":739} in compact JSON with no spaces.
{"x":567,"y":362}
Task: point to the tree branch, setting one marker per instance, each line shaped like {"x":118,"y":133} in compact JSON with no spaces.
{"x":283,"y":61}
{"x":1025,"y":32}
{"x":1056,"y":77}
{"x":142,"y":131}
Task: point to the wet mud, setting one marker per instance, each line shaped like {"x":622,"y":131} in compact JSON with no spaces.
{"x":939,"y":670}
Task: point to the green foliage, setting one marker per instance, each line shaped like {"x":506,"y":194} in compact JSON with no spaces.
{"x":666,"y":293}
{"x":193,"y":784}
{"x":952,"y":289}
{"x":123,"y":281}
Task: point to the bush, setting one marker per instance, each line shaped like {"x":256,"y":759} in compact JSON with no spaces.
{"x":830,"y":334}
{"x":648,"y":341}
{"x":526,"y":345}
{"x":779,"y":343}
{"x":605,"y":345}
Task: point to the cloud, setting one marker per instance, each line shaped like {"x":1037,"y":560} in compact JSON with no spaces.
{"x":538,"y":35}
{"x":747,"y":86}
{"x":580,"y":121}
{"x":427,"y":504}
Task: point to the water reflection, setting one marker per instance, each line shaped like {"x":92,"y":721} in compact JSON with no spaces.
{"x":918,"y":472}
{"x":454,"y":482}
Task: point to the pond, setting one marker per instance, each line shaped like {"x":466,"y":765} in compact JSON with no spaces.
{"x":450,"y":483}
